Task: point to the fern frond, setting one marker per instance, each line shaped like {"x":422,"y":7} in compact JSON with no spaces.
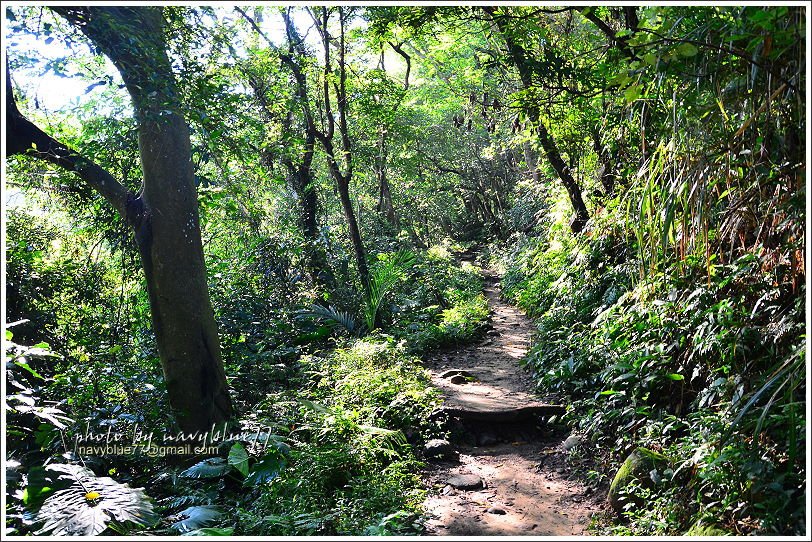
{"x":331,"y":317}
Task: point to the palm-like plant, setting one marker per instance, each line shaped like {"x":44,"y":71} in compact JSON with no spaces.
{"x":382,"y":279}
{"x":331,"y":317}
{"x":384,"y":276}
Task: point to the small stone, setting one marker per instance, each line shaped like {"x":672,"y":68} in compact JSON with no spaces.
{"x":496,"y":510}
{"x":438,"y":448}
{"x":466,"y":482}
{"x":458,"y":379}
{"x":448,"y":490}
{"x":454,"y":372}
{"x":571,"y":442}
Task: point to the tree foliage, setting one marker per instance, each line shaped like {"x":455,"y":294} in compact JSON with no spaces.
{"x":257,"y":214}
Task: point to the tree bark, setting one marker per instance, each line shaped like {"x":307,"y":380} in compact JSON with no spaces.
{"x":519,"y":57}
{"x":164,"y":215}
{"x":342,"y":179}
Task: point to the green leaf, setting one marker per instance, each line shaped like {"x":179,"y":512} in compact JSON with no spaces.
{"x":214,"y":467}
{"x":330,"y":316}
{"x":21,"y":363}
{"x":238,"y":458}
{"x":197,"y":517}
{"x":632,"y":93}
{"x":687,"y":49}
{"x":90,"y":503}
{"x":313,"y":406}
{"x":675,"y":376}
{"x":265,"y":470}
{"x":620,"y":79}
{"x":42,"y":482}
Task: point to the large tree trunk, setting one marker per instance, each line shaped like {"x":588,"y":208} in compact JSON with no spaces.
{"x":164,"y":215}
{"x":168,"y":236}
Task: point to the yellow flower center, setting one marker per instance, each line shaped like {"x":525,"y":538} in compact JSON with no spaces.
{"x":92,"y":496}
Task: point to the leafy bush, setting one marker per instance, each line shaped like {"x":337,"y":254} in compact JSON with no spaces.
{"x":349,"y":426}
{"x":699,"y":362}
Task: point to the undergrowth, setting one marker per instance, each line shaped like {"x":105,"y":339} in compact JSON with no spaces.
{"x":327,"y":435}
{"x":703,"y":363}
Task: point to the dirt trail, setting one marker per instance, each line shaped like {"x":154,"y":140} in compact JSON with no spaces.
{"x":526,"y":487}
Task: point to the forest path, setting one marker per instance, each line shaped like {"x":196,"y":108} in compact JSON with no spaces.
{"x":520,"y":467}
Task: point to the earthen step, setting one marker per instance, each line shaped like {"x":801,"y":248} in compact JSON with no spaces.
{"x":502,"y":415}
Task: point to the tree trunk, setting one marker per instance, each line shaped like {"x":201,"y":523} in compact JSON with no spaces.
{"x":343,"y":184}
{"x":164,"y":215}
{"x":168,"y":237}
{"x":326,"y":138}
{"x":573,"y":190}
{"x":519,"y":57}
{"x":308,"y":219}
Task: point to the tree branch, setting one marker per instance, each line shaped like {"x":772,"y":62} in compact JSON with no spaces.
{"x":24,"y":137}
{"x":399,"y":49}
{"x":621,"y":43}
{"x":255,"y":26}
